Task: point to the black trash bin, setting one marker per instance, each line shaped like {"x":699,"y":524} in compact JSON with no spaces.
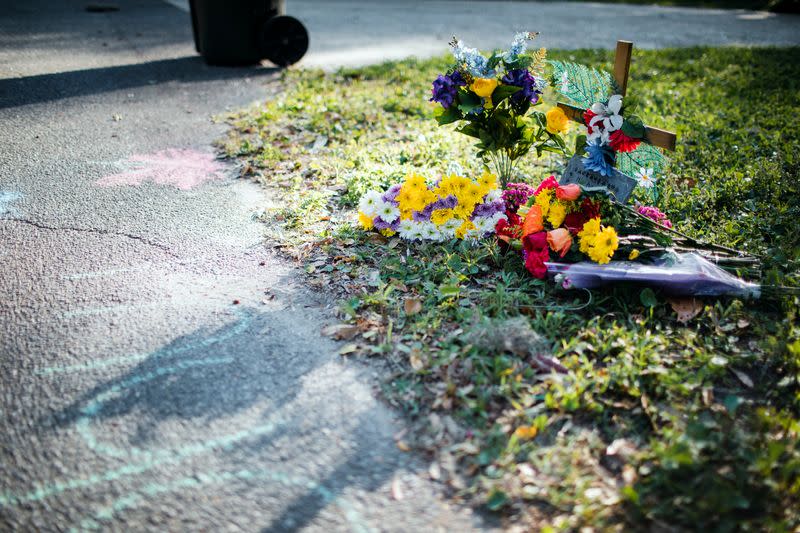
{"x":243,"y":32}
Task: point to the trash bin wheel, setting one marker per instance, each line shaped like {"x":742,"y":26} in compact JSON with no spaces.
{"x":283,"y":40}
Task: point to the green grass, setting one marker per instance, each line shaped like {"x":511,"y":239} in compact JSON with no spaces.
{"x":655,"y":424}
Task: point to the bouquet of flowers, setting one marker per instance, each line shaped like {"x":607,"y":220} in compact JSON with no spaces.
{"x":452,"y":207}
{"x":494,"y":98}
{"x":587,"y":240}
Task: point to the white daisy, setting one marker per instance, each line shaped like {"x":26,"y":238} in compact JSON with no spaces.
{"x":430,"y":232}
{"x":388,"y":212}
{"x":408,"y":229}
{"x":370,"y":203}
{"x":448,"y":229}
{"x":493,"y":196}
{"x":645,"y":178}
{"x":483,"y":225}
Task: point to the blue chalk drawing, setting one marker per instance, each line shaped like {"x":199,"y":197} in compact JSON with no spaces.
{"x":6,"y":198}
{"x":144,"y":460}
{"x":237,"y":329}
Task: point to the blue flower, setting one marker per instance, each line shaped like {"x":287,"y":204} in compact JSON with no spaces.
{"x":476,"y":64}
{"x":599,"y":158}
{"x":518,"y":47}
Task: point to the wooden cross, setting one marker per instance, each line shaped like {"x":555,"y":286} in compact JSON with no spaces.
{"x":622,"y":65}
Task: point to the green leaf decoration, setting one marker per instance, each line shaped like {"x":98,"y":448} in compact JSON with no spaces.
{"x":502,"y":92}
{"x":645,"y":156}
{"x":633,"y":127}
{"x":581,"y":84}
{"x":447,"y":116}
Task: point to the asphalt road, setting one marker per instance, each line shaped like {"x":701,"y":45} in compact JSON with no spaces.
{"x":135,"y":394}
{"x":159,"y":368}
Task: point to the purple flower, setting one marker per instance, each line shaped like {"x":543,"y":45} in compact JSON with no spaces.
{"x":448,"y":202}
{"x":446,"y":87}
{"x":381,"y":225}
{"x":487,"y":210}
{"x":424,"y":215}
{"x":391,"y":193}
{"x":522,"y":78}
{"x":516,"y":194}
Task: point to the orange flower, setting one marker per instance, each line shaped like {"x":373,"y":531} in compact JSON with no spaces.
{"x":568,"y":192}
{"x":533,"y":221}
{"x":560,"y":241}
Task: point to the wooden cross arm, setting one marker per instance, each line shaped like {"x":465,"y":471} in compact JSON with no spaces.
{"x":655,"y":136}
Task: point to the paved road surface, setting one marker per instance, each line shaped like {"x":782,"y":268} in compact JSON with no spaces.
{"x":134,"y":393}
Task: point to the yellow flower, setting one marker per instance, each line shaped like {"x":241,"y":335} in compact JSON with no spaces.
{"x":633,"y":255}
{"x":415,"y":181}
{"x":440,"y":216}
{"x":483,"y":87}
{"x":588,"y":233}
{"x":488,"y":181}
{"x":365,"y":221}
{"x":592,"y":227}
{"x":557,"y":121}
{"x":388,"y":233}
{"x":464,"y":228}
{"x":605,"y":244}
{"x":526,"y":432}
{"x":586,"y":242}
{"x":556,"y":214}
{"x":543,"y":200}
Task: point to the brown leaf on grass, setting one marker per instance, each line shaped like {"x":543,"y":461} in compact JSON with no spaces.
{"x":415,"y":359}
{"x":340,"y":332}
{"x":403,"y":446}
{"x":348,"y":349}
{"x":686,"y":308}
{"x":412,"y":306}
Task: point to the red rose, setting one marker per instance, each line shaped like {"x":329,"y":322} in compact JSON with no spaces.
{"x":535,"y":262}
{"x":590,"y":209}
{"x":535,"y":242}
{"x":574,"y":222}
{"x":622,"y":143}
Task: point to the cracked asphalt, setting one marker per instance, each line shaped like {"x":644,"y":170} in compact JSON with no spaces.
{"x":160,"y":369}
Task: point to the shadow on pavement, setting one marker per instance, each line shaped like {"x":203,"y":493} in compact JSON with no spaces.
{"x":49,"y":87}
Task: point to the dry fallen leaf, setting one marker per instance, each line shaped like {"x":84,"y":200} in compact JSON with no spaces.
{"x":416,"y":360}
{"x":341,"y":332}
{"x":403,"y":446}
{"x":686,"y":308}
{"x":348,"y":348}
{"x":412,"y":306}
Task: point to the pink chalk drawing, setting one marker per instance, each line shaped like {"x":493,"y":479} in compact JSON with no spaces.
{"x":178,"y":167}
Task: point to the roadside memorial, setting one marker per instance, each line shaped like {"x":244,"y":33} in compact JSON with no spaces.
{"x":592,"y":227}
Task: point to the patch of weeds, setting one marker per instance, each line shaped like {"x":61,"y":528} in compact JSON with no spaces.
{"x":564,"y":409}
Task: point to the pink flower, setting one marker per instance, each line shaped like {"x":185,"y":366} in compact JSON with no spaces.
{"x":549,"y":183}
{"x":568,"y":192}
